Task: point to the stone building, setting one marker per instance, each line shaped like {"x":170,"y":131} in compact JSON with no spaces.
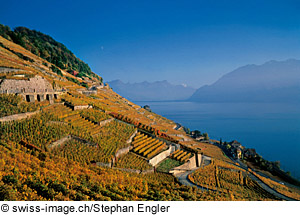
{"x":32,"y":89}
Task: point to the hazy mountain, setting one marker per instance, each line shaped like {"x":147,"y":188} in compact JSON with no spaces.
{"x":156,"y":91}
{"x":274,"y":81}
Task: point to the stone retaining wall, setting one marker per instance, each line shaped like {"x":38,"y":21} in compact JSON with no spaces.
{"x":80,"y":107}
{"x":131,"y":137}
{"x":60,"y":141}
{"x":77,"y":107}
{"x":192,"y":163}
{"x":56,"y":123}
{"x":147,"y":171}
{"x":161,"y":156}
{"x":6,"y":70}
{"x":109,"y":165}
{"x":130,"y":170}
{"x":67,"y":138}
{"x":18,"y":116}
{"x":104,"y":122}
{"x":122,"y":151}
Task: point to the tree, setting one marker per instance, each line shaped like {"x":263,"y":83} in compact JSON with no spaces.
{"x":197,"y":133}
{"x":205,"y":135}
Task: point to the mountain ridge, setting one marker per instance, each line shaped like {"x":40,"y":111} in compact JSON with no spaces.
{"x":151,"y":91}
{"x":269,"y":82}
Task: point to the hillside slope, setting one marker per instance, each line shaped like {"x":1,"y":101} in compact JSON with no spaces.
{"x":274,"y":81}
{"x":47,"y":48}
{"x":96,"y":145}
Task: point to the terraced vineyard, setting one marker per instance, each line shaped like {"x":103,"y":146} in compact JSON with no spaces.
{"x":291,"y":192}
{"x":74,"y":119}
{"x":44,"y":176}
{"x":229,"y":180}
{"x":181,"y":155}
{"x":147,"y":146}
{"x":109,"y":138}
{"x":132,"y":161}
{"x":79,"y":152}
{"x":83,"y":125}
{"x":30,"y":171}
{"x":112,"y":137}
{"x":59,"y":111}
{"x":36,"y":131}
{"x":13,"y":104}
{"x":93,"y":115}
{"x":74,"y":101}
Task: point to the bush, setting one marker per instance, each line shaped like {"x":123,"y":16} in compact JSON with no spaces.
{"x":6,"y":193}
{"x":9,"y":179}
{"x":56,"y":70}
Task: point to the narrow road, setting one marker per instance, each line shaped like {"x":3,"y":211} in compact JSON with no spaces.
{"x":269,"y":189}
{"x":183,"y":179}
{"x":263,"y":185}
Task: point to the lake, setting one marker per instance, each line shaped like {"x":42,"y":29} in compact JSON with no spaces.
{"x":272,"y":129}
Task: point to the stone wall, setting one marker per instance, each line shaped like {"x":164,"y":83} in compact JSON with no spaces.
{"x":36,"y":84}
{"x":57,"y":123}
{"x":104,"y":122}
{"x":6,"y":70}
{"x":131,"y":137}
{"x":127,"y":170}
{"x":198,"y":159}
{"x":80,"y":107}
{"x":77,"y":107}
{"x":18,"y":116}
{"x":161,"y":156}
{"x":109,"y":165}
{"x":89,"y":92}
{"x":147,"y":171}
{"x":60,"y":141}
{"x":122,"y":151}
{"x":189,"y":165}
{"x":70,"y":137}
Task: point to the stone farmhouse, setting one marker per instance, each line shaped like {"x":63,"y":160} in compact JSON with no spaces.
{"x":32,"y":89}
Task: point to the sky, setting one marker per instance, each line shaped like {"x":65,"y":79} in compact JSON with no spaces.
{"x":184,"y":42}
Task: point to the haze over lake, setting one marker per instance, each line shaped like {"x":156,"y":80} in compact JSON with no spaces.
{"x":273,"y":129}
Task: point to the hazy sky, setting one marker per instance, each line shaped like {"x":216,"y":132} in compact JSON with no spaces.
{"x":192,"y":42}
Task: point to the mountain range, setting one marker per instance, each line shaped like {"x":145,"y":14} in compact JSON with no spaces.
{"x":273,"y":81}
{"x":155,"y":91}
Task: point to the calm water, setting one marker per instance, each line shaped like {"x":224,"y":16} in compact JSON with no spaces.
{"x":272,"y":129}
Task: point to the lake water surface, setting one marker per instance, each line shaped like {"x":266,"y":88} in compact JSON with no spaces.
{"x":272,"y":129}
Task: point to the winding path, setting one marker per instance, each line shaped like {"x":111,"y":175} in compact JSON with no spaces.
{"x":183,"y":179}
